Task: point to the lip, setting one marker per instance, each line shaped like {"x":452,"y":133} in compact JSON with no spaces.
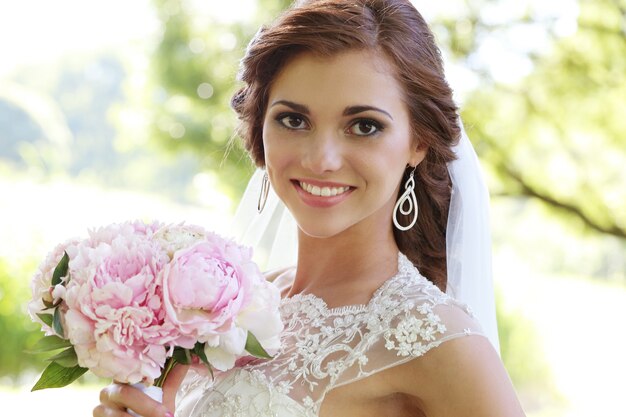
{"x":319,"y":201}
{"x":321,"y":183}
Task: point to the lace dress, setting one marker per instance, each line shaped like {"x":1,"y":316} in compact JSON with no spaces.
{"x":324,"y":348}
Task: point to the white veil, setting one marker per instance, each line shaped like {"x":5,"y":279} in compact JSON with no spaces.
{"x":468,"y":239}
{"x":273,"y":235}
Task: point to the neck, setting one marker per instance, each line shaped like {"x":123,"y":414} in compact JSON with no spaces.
{"x":346,"y":267}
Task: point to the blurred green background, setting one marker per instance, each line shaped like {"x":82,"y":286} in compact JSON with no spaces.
{"x":119,"y":110}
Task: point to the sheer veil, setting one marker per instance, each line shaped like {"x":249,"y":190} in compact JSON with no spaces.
{"x":468,"y":239}
{"x":273,"y":235}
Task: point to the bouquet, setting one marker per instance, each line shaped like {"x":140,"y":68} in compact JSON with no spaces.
{"x":133,"y":299}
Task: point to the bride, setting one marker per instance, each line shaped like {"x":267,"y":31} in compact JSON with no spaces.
{"x":346,"y":109}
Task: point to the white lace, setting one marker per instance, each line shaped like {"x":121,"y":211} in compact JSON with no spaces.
{"x":323,"y":348}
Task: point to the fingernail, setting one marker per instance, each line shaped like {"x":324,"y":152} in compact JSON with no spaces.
{"x":168,"y":414}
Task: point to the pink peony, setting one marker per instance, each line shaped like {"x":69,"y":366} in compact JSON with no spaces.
{"x":126,"y":230}
{"x":147,"y":229}
{"x":261,"y":317}
{"x":205,"y":288}
{"x":115,"y":315}
{"x":134,"y":292}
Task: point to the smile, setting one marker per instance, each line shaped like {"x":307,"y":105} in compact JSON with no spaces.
{"x":322,"y":191}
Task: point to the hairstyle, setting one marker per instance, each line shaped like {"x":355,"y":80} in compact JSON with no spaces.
{"x":395,"y":29}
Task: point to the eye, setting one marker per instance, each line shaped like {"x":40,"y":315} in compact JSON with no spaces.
{"x":292,"y":121}
{"x":365,"y":127}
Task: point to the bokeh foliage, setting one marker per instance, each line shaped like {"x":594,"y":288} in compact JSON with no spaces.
{"x":522,"y":355}
{"x":194,"y":75}
{"x":558,"y":135}
{"x":18,"y":332}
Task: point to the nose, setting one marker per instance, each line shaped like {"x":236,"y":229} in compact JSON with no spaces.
{"x":323,"y":153}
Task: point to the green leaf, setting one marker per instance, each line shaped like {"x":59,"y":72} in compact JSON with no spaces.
{"x":198,"y":350}
{"x":66,"y":358}
{"x":48,"y":343}
{"x":48,"y":304}
{"x":61,"y":269}
{"x":46,"y":318}
{"x":182,"y":355}
{"x":56,"y":322}
{"x":57,"y":376}
{"x":254,"y":347}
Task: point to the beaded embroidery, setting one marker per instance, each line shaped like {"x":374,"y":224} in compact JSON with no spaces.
{"x":323,"y":348}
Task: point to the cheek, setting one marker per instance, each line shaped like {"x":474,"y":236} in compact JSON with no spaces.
{"x":276,"y":151}
{"x":387,"y":166}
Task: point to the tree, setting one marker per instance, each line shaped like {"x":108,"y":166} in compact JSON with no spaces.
{"x":557,"y":135}
{"x":194,"y":70}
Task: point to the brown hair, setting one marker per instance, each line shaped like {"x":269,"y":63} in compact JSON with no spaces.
{"x":395,"y":29}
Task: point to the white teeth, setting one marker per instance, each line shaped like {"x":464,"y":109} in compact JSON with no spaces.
{"x":323,"y":191}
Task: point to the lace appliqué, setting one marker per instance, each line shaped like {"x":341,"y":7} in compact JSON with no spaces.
{"x":323,"y":348}
{"x":412,"y":335}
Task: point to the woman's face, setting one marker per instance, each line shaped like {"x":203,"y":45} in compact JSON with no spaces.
{"x":337,"y":139}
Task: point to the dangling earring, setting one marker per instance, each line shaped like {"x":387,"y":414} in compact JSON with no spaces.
{"x":407,"y":197}
{"x":265,"y":189}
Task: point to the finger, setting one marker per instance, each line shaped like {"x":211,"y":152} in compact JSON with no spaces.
{"x":172,"y":383}
{"x":104,"y":411}
{"x":108,"y":395}
{"x":119,"y":397}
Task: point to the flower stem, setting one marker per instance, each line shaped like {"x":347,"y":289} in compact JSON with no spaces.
{"x":169,"y":365}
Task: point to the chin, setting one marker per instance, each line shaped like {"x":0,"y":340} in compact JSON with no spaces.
{"x":317,"y":232}
{"x":320,"y":230}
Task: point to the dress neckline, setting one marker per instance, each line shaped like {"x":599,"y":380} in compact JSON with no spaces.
{"x":404,"y":264}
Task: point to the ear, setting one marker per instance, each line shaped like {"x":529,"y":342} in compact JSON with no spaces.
{"x":418,"y":153}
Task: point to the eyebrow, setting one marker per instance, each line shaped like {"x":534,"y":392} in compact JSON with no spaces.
{"x":348,"y":111}
{"x":352,"y":110}
{"x":300,"y":108}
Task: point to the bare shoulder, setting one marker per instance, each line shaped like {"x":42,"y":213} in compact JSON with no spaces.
{"x":460,"y":377}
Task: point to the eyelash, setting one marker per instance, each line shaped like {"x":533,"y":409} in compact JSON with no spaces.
{"x":376,"y":124}
{"x":279,"y":118}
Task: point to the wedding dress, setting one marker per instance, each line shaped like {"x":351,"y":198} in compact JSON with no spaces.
{"x":324,"y":348}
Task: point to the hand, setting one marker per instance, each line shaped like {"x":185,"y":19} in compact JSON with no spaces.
{"x":116,"y":398}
